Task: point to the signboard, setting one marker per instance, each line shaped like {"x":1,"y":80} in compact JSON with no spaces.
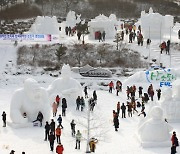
{"x":30,"y":37}
{"x":161,"y":75}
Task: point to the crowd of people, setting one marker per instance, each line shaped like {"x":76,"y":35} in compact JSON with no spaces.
{"x":135,"y":105}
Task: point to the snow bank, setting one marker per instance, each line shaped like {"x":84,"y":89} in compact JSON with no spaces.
{"x":30,"y":100}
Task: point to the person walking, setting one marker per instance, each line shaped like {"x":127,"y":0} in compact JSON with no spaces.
{"x":118,"y":108}
{"x":103,"y":36}
{"x":52,"y":126}
{"x":168,"y":47}
{"x":54,"y":107}
{"x":174,"y":141}
{"x":116,"y":122}
{"x":58,"y":100}
{"x":60,"y":121}
{"x":82,"y":103}
{"x":158,"y":94}
{"x":85,"y":92}
{"x":4,"y":118}
{"x":78,"y":102}
{"x":73,"y":127}
{"x":100,"y":36}
{"x":51,"y":140}
{"x":12,"y":152}
{"x":92,"y":144}
{"x":129,"y":105}
{"x":140,"y":91}
{"x":123,"y":108}
{"x":78,"y":139}
{"x":111,"y":86}
{"x":94,"y":95}
{"x":47,"y":129}
{"x":58,"y":134}
{"x":64,"y":106}
{"x":59,"y":149}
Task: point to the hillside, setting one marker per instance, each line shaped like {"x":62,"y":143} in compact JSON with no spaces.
{"x":91,"y":8}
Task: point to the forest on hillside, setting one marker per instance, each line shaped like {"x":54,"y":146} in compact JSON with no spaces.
{"x":90,"y":8}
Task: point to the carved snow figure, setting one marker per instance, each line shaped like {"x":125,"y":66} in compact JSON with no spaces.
{"x":170,"y":102}
{"x":155,"y":131}
{"x":29,"y":100}
{"x":65,"y":86}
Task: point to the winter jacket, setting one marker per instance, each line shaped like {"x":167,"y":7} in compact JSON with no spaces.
{"x":47,"y":127}
{"x":40,"y":117}
{"x":54,"y":106}
{"x":59,"y":119}
{"x":4,"y":116}
{"x":116,"y":122}
{"x":78,"y":136}
{"x":64,"y":104}
{"x":123,"y":108}
{"x":51,"y":138}
{"x":111,"y":84}
{"x":57,"y":99}
{"x":58,"y":131}
{"x":59,"y":149}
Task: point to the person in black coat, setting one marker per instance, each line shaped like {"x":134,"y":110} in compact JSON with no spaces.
{"x":168,"y":47}
{"x":39,"y":118}
{"x":64,"y":106}
{"x":60,"y":121}
{"x":116,"y":122}
{"x":85,"y":92}
{"x":51,"y":140}
{"x":47,"y":128}
{"x":146,"y":97}
{"x":78,"y":103}
{"x":73,"y":128}
{"x":4,"y":118}
{"x":140,"y":91}
{"x":123,"y":108}
{"x":158,"y":93}
{"x":52,"y":126}
{"x":94,"y":95}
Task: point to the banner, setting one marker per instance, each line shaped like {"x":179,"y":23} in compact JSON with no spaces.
{"x":161,"y":75}
{"x":30,"y":37}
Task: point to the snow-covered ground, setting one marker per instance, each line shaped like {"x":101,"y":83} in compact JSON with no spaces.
{"x":31,"y":140}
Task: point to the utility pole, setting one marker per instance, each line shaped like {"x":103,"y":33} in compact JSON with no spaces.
{"x":170,"y":48}
{"x":160,"y":44}
{"x":88,"y":129}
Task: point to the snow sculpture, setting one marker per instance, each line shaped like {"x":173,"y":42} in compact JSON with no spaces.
{"x":154,"y":25}
{"x":30,"y":100}
{"x":170,"y":102}
{"x":102,"y":23}
{"x":65,"y":86}
{"x":45,"y":25}
{"x":155,"y":132}
{"x":71,"y":19}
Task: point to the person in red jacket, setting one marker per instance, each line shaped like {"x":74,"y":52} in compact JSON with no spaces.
{"x":57,"y":100}
{"x":111,"y":86}
{"x":59,"y":149}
